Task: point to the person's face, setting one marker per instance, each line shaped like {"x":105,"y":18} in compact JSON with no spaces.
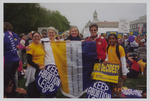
{"x":24,"y":37}
{"x":125,"y":37}
{"x":112,"y":40}
{"x":51,"y":34}
{"x":74,"y":32}
{"x":93,"y":31}
{"x":8,"y":89}
{"x":36,"y":38}
{"x":43,"y":34}
{"x":30,"y":35}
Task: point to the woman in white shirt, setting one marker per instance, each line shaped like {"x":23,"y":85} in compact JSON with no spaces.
{"x":49,"y":58}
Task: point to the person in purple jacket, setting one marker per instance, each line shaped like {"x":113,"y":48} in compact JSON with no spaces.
{"x":11,"y":59}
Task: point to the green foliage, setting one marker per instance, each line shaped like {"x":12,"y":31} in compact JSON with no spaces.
{"x":29,"y":16}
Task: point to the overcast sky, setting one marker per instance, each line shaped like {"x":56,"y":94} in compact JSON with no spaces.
{"x":80,"y":13}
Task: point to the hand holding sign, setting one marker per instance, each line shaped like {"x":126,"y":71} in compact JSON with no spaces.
{"x":105,"y":63}
{"x":48,"y":80}
{"x":42,"y":67}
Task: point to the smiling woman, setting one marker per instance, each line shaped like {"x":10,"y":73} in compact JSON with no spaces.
{"x":74,"y":34}
{"x":35,"y":59}
{"x":111,"y":57}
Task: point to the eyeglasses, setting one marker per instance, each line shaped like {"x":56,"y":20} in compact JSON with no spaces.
{"x":51,"y":32}
{"x":36,"y":37}
{"x":93,"y":30}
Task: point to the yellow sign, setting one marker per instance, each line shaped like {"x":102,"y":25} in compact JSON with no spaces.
{"x":119,"y":36}
{"x":108,"y":73}
{"x":112,"y":32}
{"x":130,"y":33}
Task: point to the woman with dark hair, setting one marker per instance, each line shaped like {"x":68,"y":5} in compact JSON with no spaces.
{"x":93,"y":30}
{"x":48,"y":59}
{"x":112,"y":57}
{"x":101,"y":43}
{"x":11,"y":59}
{"x":35,"y":59}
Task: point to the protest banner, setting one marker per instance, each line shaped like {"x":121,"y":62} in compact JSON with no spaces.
{"x":131,"y":93}
{"x":99,"y":89}
{"x":108,"y":73}
{"x":120,"y":35}
{"x":124,"y":26}
{"x":111,"y":32}
{"x":48,"y":80}
{"x":75,"y":61}
{"x":130,"y":33}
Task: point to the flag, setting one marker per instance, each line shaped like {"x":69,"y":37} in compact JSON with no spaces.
{"x":75,"y":61}
{"x":140,"y":29}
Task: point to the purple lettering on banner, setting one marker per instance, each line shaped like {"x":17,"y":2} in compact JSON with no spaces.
{"x":99,"y":89}
{"x":48,"y":80}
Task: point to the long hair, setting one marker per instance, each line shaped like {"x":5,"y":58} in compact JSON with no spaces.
{"x":7,"y":26}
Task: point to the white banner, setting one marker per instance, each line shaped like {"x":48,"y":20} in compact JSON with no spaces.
{"x":124,"y":26}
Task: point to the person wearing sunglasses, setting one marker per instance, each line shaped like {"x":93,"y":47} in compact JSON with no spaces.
{"x":101,"y":43}
{"x":93,"y":30}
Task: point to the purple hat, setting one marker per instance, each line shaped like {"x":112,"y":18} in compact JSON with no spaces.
{"x":131,"y":38}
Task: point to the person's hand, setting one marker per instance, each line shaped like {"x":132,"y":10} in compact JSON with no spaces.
{"x":105,"y":63}
{"x":67,"y":41}
{"x":27,"y":48}
{"x":21,"y":91}
{"x":124,"y":77}
{"x":82,"y":40}
{"x":17,"y":46}
{"x":42,"y":67}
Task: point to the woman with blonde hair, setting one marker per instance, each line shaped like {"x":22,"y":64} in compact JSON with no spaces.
{"x":74,"y":34}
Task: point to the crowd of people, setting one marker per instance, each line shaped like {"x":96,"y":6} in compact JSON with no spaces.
{"x":35,"y":50}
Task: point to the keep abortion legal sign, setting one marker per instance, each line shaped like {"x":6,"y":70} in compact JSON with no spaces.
{"x":48,"y":80}
{"x":99,"y":89}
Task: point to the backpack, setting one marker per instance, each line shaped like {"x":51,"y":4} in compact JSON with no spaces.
{"x":117,"y":50}
{"x":118,"y":55}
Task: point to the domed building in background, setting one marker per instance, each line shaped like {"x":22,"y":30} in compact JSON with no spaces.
{"x":103,"y":26}
{"x":123,"y":26}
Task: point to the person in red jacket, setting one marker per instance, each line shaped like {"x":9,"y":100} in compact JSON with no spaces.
{"x":101,"y":43}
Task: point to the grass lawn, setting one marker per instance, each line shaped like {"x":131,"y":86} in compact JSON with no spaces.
{"x":134,"y":83}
